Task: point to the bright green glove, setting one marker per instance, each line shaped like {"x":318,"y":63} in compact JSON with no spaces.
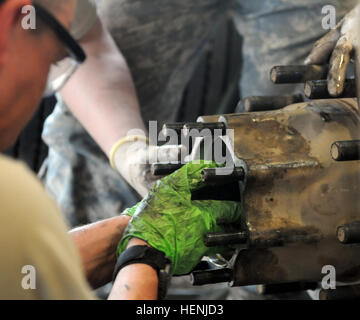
{"x":172,"y":223}
{"x":130,"y":211}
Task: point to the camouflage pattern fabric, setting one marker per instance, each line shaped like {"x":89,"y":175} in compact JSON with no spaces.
{"x":279,"y":32}
{"x":162,"y":41}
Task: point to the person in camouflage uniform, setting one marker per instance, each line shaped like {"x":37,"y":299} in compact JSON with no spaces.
{"x":162,"y":42}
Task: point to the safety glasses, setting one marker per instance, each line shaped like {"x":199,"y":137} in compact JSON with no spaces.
{"x":61,"y":72}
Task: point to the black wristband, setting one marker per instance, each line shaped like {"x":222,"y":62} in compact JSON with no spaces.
{"x":149,"y":256}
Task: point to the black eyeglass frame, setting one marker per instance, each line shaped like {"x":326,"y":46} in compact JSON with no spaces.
{"x":64,"y":36}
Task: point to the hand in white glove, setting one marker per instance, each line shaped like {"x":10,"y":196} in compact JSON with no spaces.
{"x":132,"y":157}
{"x":337,"y":44}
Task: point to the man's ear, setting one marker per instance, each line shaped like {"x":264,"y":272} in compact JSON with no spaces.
{"x":10,"y":14}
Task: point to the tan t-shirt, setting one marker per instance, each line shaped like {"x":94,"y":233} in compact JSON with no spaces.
{"x":85,"y":18}
{"x":34,"y":240}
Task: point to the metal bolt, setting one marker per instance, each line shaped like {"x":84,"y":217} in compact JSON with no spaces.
{"x":222,"y":175}
{"x":298,"y":74}
{"x":199,"y":278}
{"x":318,"y":89}
{"x":222,"y":239}
{"x":346,"y":150}
{"x":349,"y":233}
{"x":164,"y":169}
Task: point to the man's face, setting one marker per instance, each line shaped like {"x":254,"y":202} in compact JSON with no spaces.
{"x":25,"y":60}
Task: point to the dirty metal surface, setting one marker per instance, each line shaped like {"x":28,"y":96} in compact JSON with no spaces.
{"x":296,"y":195}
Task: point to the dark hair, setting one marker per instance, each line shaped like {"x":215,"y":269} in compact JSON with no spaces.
{"x":1,"y":1}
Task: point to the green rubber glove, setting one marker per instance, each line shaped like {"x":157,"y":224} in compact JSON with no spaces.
{"x":130,"y":211}
{"x":172,"y":223}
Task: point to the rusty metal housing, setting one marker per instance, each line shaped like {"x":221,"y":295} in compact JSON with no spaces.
{"x":296,"y":195}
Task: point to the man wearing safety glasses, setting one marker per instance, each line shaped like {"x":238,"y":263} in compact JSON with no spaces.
{"x":38,"y":259}
{"x":33,"y":236}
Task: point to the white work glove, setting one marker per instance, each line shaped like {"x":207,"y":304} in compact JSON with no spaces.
{"x":337,"y":45}
{"x":132,"y":158}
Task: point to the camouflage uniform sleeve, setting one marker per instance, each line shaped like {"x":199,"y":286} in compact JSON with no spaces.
{"x":85,"y":18}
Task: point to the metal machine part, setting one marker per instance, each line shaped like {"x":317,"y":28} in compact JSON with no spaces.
{"x":318,"y":89}
{"x":221,"y":239}
{"x":298,"y":174}
{"x":267,"y":103}
{"x":223,"y":175}
{"x":295,"y":196}
{"x":199,"y":278}
{"x":349,"y":233}
{"x":162,"y":169}
{"x":298,"y":74}
{"x":346,"y":150}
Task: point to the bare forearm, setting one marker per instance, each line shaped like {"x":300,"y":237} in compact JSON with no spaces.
{"x":136,"y":281}
{"x":102,"y":94}
{"x":97,"y":244}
